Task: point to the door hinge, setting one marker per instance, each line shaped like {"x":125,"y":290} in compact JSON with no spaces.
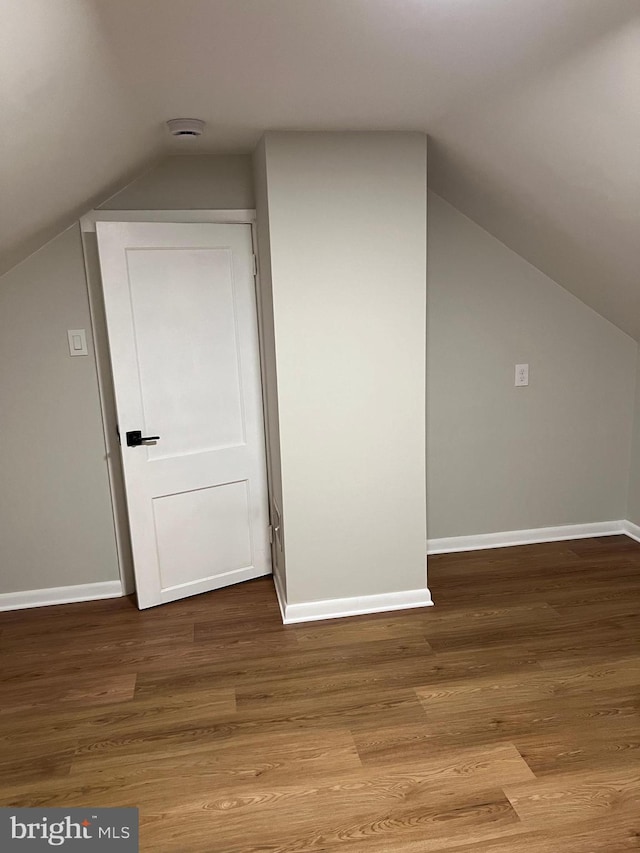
{"x":255,"y":265}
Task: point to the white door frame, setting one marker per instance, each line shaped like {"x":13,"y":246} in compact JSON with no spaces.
{"x":103,"y":365}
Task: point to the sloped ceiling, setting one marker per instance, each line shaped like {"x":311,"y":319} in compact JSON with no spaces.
{"x":533,"y":108}
{"x":69,"y":128}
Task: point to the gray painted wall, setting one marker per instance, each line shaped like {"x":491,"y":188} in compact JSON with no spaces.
{"x":347,"y":220}
{"x":506,"y":458}
{"x":56,"y":526}
{"x":487,"y":309}
{"x":190,"y":182}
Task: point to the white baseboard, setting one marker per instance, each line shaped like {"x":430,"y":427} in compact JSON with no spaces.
{"x":60,"y":595}
{"x":632,"y":530}
{"x":337,"y":608}
{"x":527,"y":537}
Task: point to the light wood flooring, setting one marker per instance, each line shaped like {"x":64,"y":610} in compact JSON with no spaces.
{"x":504,"y":720}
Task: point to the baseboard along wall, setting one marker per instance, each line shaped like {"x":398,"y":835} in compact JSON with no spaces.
{"x":510,"y":538}
{"x":632,"y":530}
{"x":336,"y":608}
{"x":60,"y":595}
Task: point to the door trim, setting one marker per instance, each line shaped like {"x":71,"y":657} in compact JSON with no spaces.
{"x":103,"y":365}
{"x":215,"y":217}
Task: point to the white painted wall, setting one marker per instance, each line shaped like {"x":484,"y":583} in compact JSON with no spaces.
{"x":56,"y":526}
{"x":347,"y":222}
{"x":505,"y":458}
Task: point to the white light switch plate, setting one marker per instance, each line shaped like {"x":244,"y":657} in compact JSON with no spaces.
{"x":77,"y":342}
{"x":522,"y":375}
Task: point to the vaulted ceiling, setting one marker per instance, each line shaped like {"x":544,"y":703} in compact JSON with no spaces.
{"x":532,"y":106}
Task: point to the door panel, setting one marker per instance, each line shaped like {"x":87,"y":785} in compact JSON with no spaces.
{"x":185,"y":319}
{"x":202,"y":532}
{"x":181,"y":316}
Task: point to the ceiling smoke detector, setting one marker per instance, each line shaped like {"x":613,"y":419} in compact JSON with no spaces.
{"x":185,"y":127}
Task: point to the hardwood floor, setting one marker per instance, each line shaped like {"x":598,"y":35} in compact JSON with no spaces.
{"x":504,"y":720}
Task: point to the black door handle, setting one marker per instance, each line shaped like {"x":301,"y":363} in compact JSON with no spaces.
{"x":135,"y":438}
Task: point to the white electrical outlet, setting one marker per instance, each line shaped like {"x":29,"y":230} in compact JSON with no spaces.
{"x":522,"y":375}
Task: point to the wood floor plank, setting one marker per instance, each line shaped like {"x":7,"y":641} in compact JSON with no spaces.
{"x":359,"y":629}
{"x":504,"y":720}
{"x":165,"y":775}
{"x":619,"y":834}
{"x":585,"y":795}
{"x":406,"y":745}
{"x":381,"y":807}
{"x":598,"y":743}
{"x":130,"y":722}
{"x":295,"y":664}
{"x":555,"y":679}
{"x":35,"y":760}
{"x":552,"y":718}
{"x":77,"y":690}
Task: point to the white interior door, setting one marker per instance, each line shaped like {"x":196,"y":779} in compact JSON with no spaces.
{"x":181,"y":316}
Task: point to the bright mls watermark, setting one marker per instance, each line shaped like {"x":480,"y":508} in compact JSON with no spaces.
{"x":105,"y":830}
